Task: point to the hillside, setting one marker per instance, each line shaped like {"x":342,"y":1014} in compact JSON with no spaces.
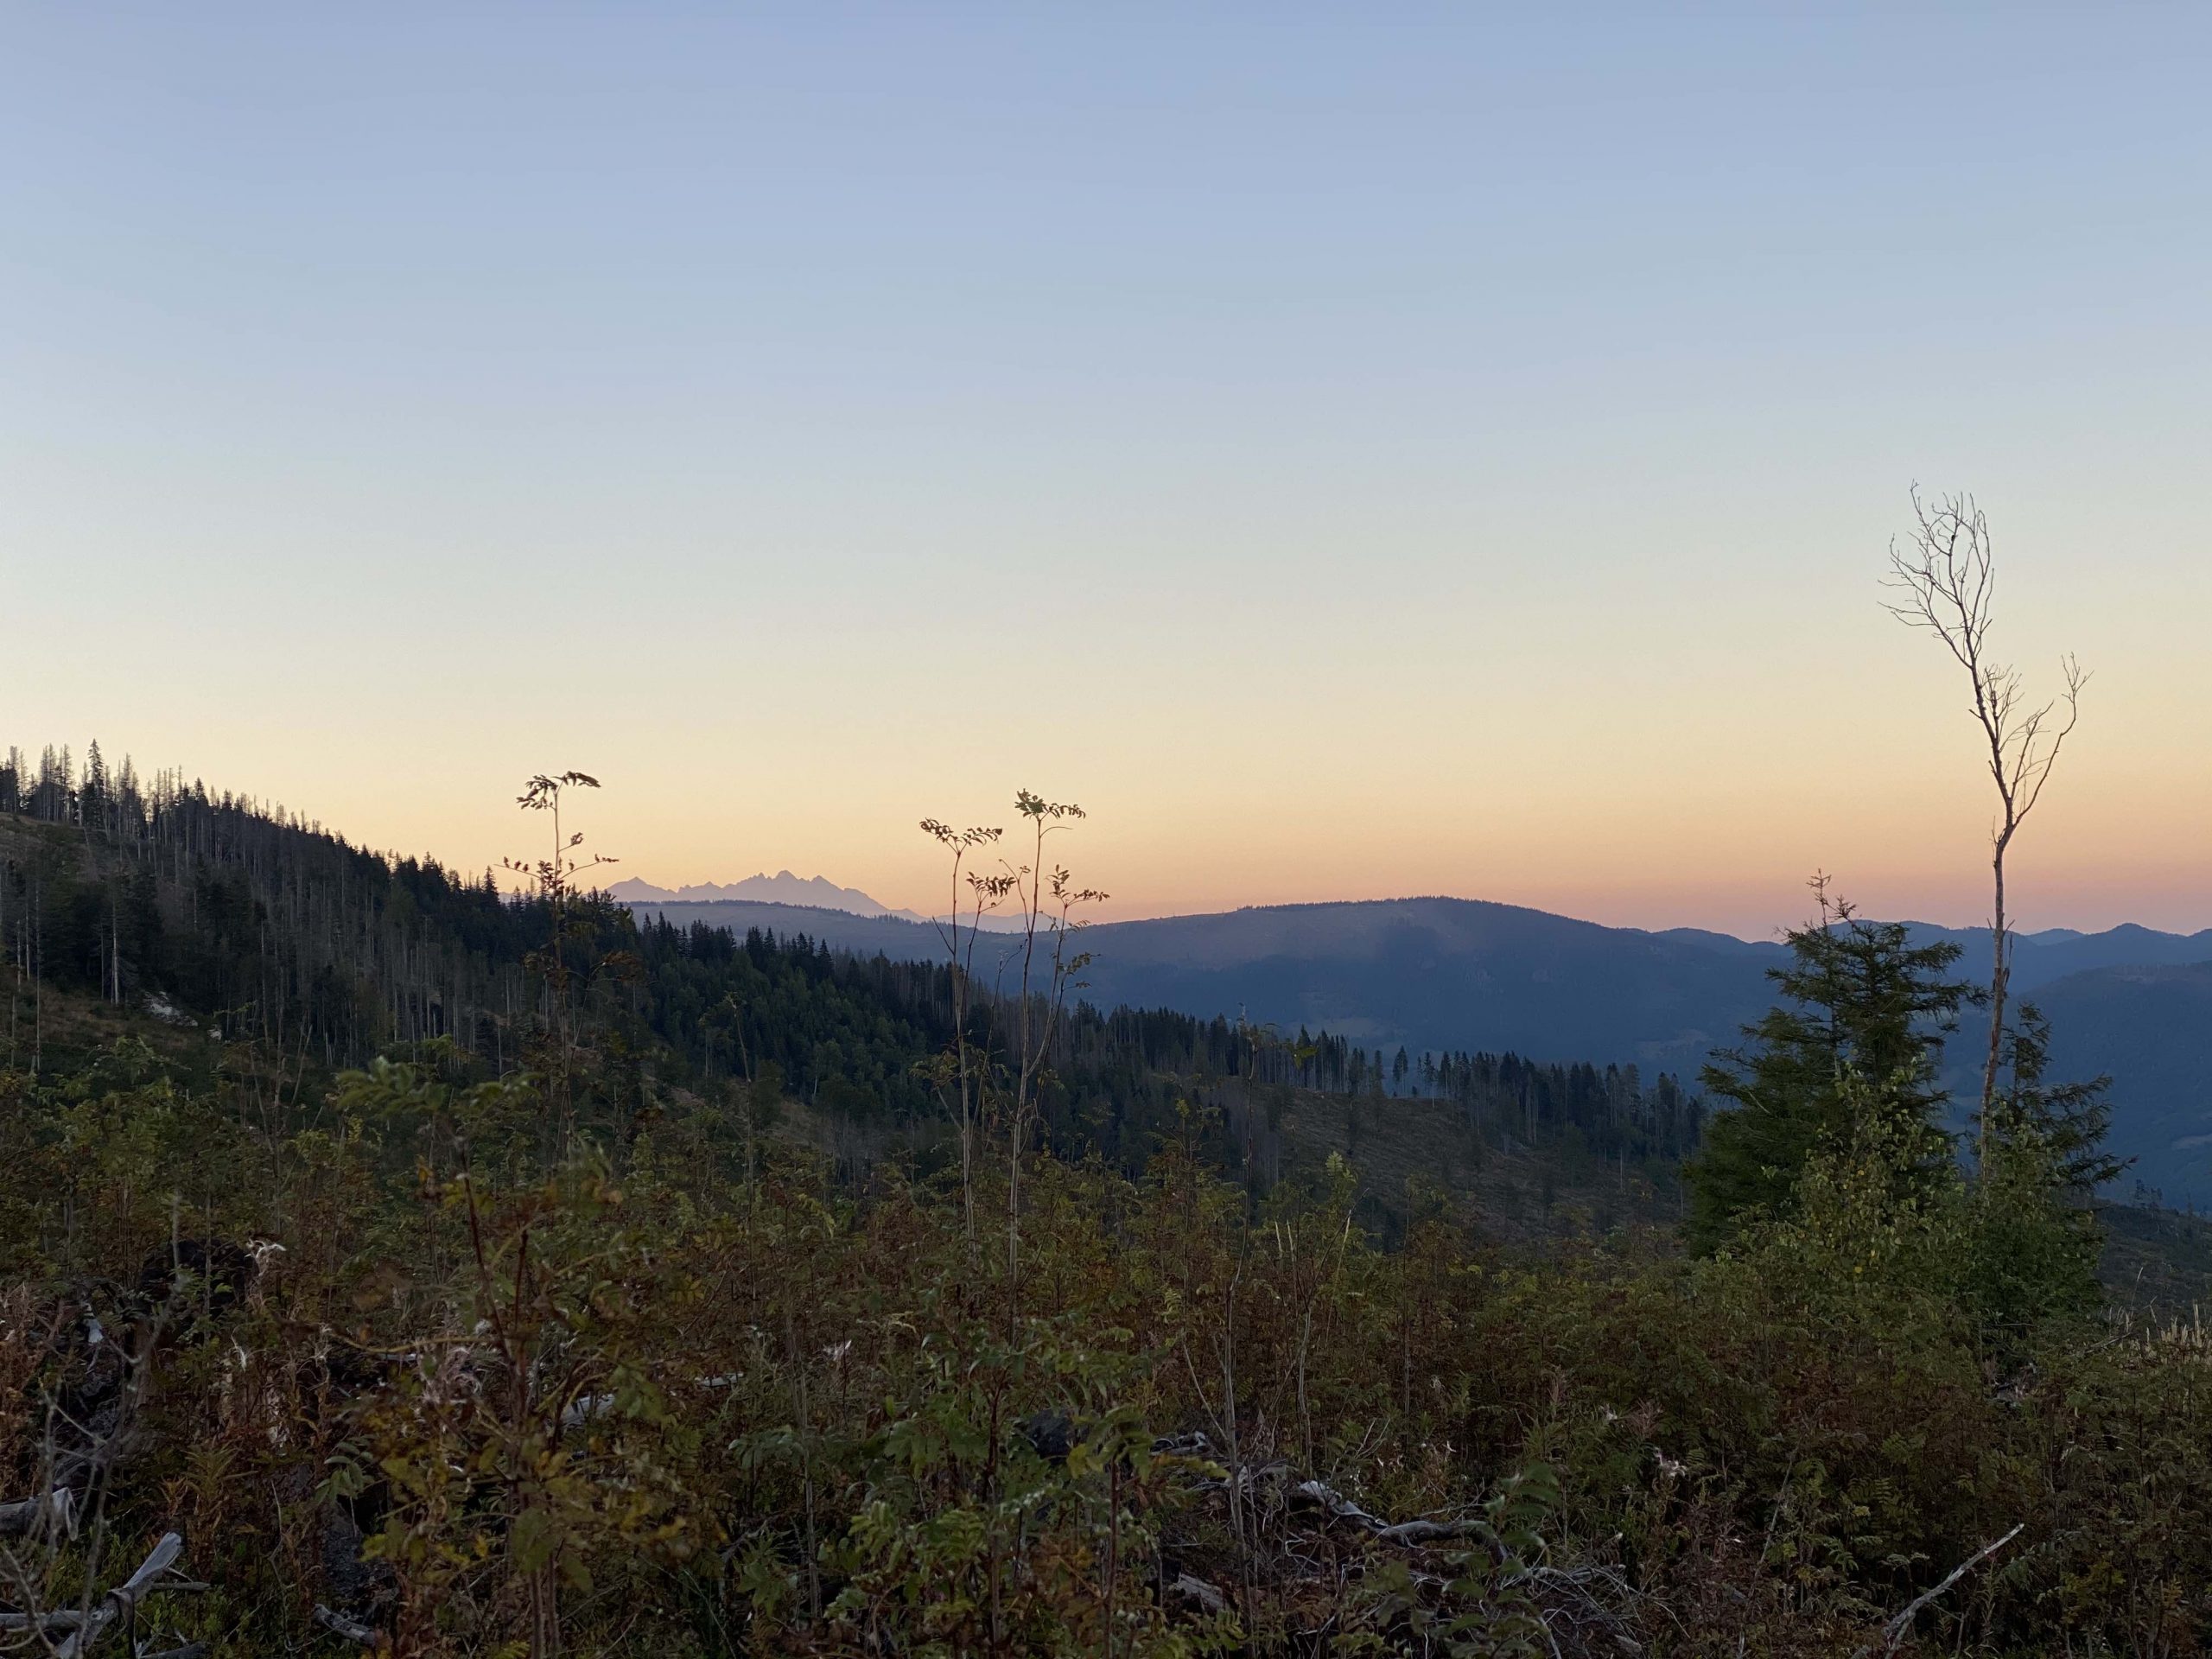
{"x":1418,"y":973}
{"x":1506,"y":1159}
{"x":212,"y":905}
{"x":2149,"y":1029}
{"x":291,"y":942}
{"x":495,"y":1266}
{"x":2038,"y":959}
{"x":1448,"y":973}
{"x":1443,"y":973}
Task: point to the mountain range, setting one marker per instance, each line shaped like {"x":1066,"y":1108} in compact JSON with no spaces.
{"x":817,"y":892}
{"x":1436,"y":973}
{"x":783,"y":888}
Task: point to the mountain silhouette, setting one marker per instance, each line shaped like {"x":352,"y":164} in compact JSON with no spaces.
{"x":1438,"y":972}
{"x":816,"y":892}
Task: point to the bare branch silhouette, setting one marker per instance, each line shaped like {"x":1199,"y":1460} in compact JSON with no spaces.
{"x":1945,"y":572}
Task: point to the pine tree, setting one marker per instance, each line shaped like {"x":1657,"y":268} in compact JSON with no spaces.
{"x":2066,"y":1122}
{"x":2035,"y":1239}
{"x":1859,"y":997}
{"x":92,"y":795}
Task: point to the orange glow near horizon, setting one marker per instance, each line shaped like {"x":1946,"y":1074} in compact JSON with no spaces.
{"x":1635,"y":827}
{"x":1366,"y":457}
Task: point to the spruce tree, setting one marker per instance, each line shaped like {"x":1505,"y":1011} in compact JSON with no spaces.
{"x":1859,"y":996}
{"x":2065,"y":1121}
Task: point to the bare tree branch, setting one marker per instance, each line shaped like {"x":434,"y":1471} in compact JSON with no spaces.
{"x":1945,"y":574}
{"x":351,"y":1629}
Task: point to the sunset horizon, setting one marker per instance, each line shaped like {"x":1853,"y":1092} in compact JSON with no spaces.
{"x":847,"y":831}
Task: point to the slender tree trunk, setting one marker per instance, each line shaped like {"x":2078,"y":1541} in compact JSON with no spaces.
{"x":1999,"y":977}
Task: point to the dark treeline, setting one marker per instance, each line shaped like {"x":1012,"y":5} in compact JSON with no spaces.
{"x":234,"y":908}
{"x":287,"y":934}
{"x":846,"y":1030}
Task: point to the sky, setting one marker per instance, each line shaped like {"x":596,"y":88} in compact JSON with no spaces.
{"x":1352,"y":452}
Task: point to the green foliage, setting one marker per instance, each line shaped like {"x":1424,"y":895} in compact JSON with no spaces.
{"x":1858,"y":995}
{"x":2063,"y":1123}
{"x":682,"y":1393}
{"x":673,"y":1380}
{"x":1489,"y":1606}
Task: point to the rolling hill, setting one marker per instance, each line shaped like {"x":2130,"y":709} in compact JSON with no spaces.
{"x":1462,"y":974}
{"x":2150,"y":1030}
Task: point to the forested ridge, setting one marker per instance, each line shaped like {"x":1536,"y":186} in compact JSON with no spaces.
{"x":287,"y":936}
{"x":419,"y":1266}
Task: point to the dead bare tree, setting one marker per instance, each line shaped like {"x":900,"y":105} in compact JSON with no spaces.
{"x":1945,"y":569}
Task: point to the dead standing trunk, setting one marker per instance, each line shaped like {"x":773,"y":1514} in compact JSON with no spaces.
{"x":1946,"y":571}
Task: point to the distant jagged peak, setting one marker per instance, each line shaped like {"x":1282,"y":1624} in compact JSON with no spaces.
{"x":813,"y":892}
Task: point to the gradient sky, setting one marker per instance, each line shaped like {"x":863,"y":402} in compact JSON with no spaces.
{"x":1353,"y":452}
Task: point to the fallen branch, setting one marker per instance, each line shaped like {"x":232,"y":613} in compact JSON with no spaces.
{"x":123,"y":1600}
{"x":58,"y":1507}
{"x":1338,"y":1507}
{"x":1897,"y":1628}
{"x":70,"y":1618}
{"x":1412,"y":1534}
{"x":352,"y":1629}
{"x":67,"y":1618}
{"x":1427,"y":1532}
{"x":1199,"y":1593}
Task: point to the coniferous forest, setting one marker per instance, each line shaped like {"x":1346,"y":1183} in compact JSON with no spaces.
{"x":395,"y":1262}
